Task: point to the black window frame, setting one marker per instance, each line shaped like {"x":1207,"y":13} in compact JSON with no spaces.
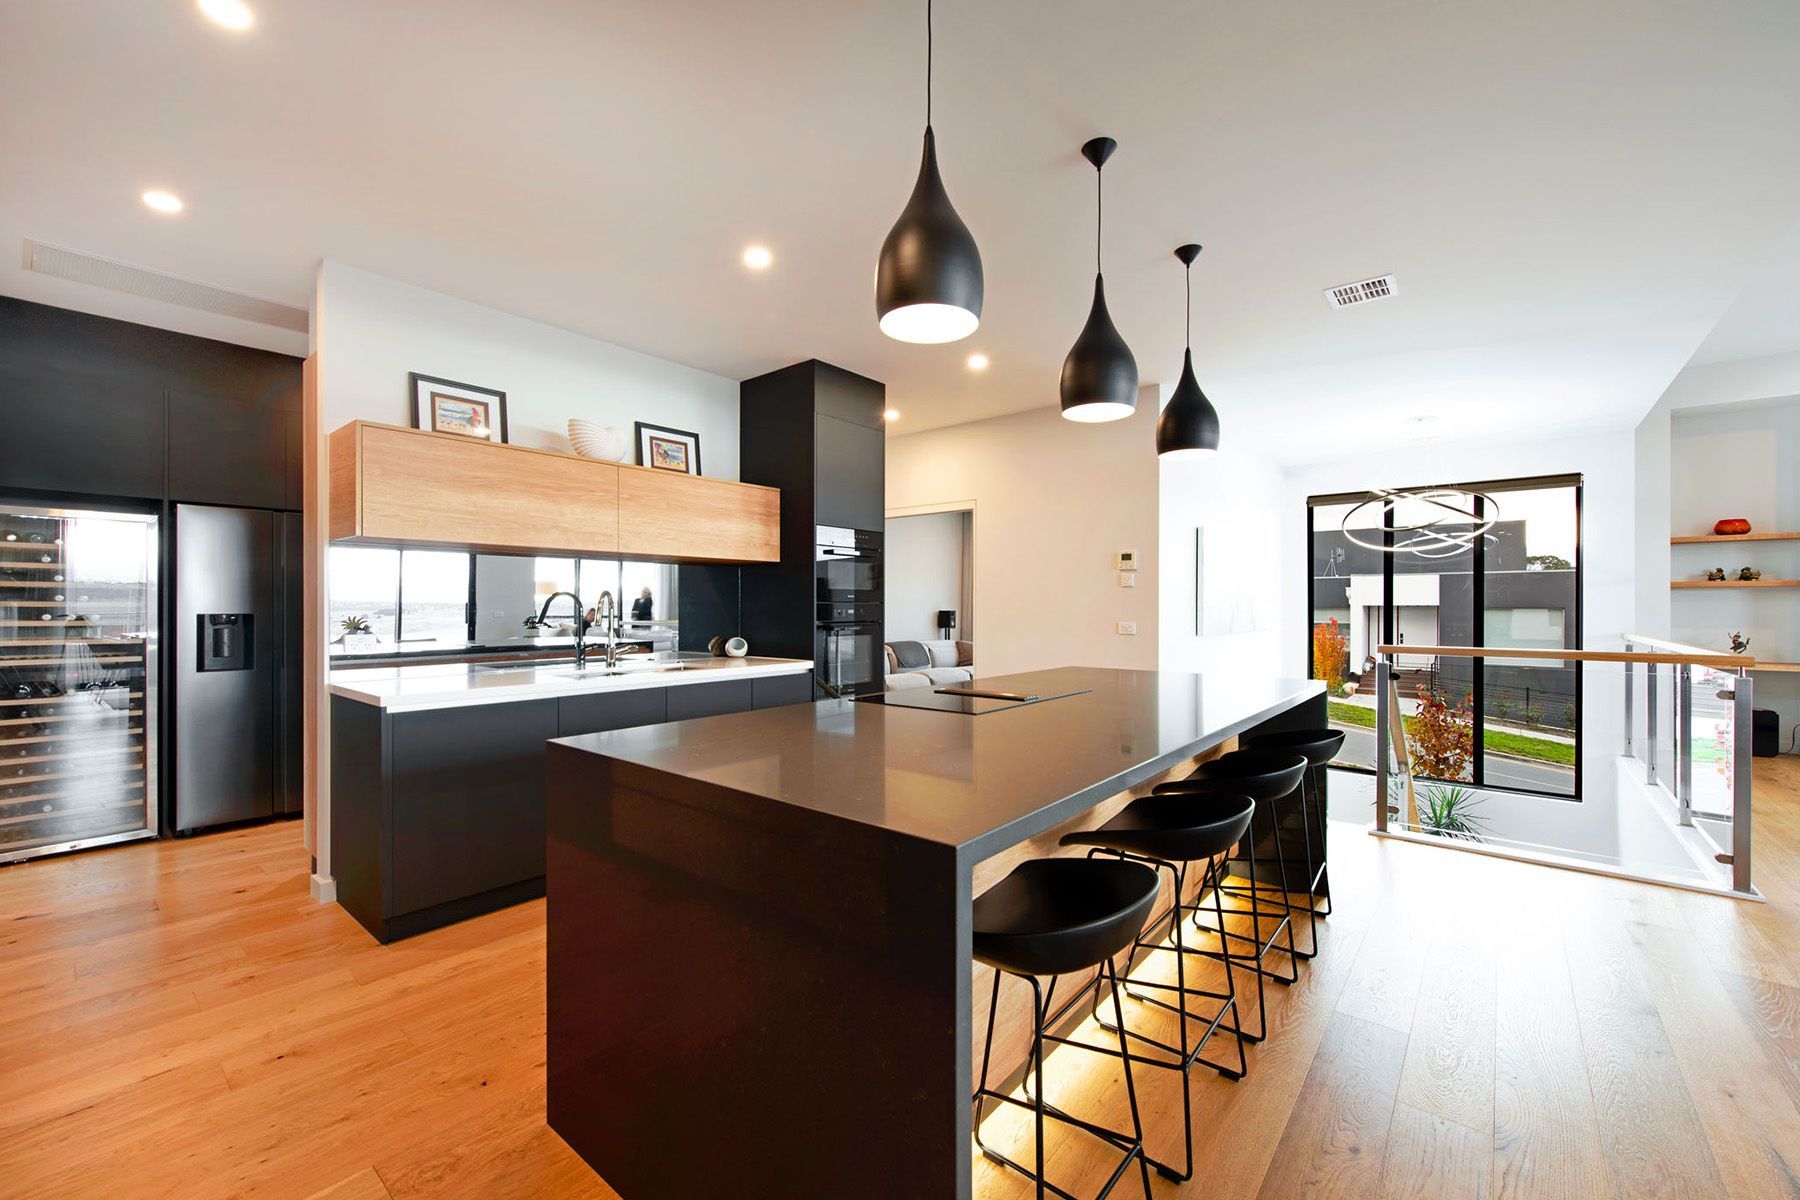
{"x":1478,"y":618}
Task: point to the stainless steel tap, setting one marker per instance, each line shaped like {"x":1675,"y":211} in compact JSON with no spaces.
{"x":606,"y":612}
{"x":580,"y":621}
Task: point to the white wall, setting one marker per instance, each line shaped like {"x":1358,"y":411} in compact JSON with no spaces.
{"x":372,"y":331}
{"x":1609,"y":512}
{"x":1740,"y":460}
{"x":923,"y":568}
{"x":1054,"y":503}
{"x":1233,"y":497}
{"x":369,"y":331}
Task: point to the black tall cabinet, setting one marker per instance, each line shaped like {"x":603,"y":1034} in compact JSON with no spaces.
{"x":816,"y":432}
{"x":115,"y":415}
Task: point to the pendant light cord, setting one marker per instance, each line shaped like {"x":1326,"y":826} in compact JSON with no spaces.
{"x":928,"y":64}
{"x":1099,"y":216}
{"x":1188,"y":271}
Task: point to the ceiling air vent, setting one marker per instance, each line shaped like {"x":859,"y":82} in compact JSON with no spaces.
{"x":77,"y":267}
{"x":1363,"y":291}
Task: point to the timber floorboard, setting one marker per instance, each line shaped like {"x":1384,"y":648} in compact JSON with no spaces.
{"x":179,"y":1019}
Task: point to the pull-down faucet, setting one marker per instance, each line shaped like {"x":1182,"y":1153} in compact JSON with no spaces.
{"x":606,"y":613}
{"x":580,"y":622}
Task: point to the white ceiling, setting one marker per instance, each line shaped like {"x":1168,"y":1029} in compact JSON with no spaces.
{"x":1571,"y":192}
{"x":1765,"y":318}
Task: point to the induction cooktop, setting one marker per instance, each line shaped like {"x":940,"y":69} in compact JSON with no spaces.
{"x":969,"y":700}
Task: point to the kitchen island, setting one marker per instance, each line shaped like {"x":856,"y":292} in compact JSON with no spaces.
{"x":760,"y":981}
{"x":437,"y":770}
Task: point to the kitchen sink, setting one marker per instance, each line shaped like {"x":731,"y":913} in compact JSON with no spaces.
{"x":621,"y":669}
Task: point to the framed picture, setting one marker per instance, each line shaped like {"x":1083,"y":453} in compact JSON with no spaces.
{"x":668,"y":449}
{"x":446,"y":406}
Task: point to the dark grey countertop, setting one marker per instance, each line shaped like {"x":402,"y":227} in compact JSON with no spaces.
{"x":977,"y":783}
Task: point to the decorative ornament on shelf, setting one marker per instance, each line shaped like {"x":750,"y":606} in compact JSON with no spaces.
{"x":358,"y":633}
{"x":1749,"y":575}
{"x":728,"y":647}
{"x":590,"y":439}
{"x":1739,"y":643}
{"x":1716,"y":575}
{"x":1731,"y":526}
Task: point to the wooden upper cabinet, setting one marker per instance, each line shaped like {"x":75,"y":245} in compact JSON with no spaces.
{"x":394,"y":486}
{"x":670,"y":516}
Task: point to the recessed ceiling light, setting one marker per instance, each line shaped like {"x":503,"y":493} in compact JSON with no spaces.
{"x":234,"y":15}
{"x":978,"y":362}
{"x":892,"y":414}
{"x":167,"y":203}
{"x":758,"y":258}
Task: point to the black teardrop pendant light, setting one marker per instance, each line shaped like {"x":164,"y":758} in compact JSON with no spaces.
{"x":1189,"y":425}
{"x":1099,"y":378}
{"x":928,"y":280}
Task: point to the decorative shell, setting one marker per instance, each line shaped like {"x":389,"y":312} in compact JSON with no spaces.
{"x":594,"y":440}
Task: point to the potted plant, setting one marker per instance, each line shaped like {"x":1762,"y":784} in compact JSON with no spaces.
{"x":358,"y":634}
{"x":1449,"y":810}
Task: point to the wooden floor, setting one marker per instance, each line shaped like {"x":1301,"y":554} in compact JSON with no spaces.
{"x":180,"y":1019}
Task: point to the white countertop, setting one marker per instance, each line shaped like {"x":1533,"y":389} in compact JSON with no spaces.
{"x":454,"y":685}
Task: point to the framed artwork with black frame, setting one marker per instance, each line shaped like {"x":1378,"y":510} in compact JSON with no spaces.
{"x":446,"y":406}
{"x":665,"y":449}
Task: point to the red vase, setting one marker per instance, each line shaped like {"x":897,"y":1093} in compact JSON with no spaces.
{"x":1732,"y":525}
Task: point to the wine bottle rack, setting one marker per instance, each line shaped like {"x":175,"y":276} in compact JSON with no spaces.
{"x":77,"y":713}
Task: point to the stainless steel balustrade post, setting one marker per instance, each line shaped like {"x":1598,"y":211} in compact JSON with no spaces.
{"x":1684,"y":744}
{"x":1649,"y":722}
{"x":1742,"y":704}
{"x":1628,"y":673}
{"x":1381,"y":744}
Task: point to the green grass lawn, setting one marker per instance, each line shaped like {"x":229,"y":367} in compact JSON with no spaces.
{"x":1520,"y":745}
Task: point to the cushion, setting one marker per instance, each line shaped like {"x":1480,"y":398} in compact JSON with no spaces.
{"x":907,"y":679}
{"x":942,"y":675}
{"x":943,"y":654}
{"x":965,"y":654}
{"x":910,"y":656}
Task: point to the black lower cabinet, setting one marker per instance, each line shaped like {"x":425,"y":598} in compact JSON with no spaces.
{"x":438,"y":815}
{"x":776,"y":690}
{"x":710,"y":699}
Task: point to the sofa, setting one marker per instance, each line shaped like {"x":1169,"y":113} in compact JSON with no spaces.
{"x":927,"y":664}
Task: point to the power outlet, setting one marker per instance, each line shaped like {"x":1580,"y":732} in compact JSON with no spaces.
{"x":1128,"y":628}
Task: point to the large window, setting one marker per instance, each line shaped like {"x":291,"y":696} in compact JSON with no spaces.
{"x":420,"y":598}
{"x":1512,"y":723}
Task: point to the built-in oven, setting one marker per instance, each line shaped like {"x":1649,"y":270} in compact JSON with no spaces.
{"x":846,"y":569}
{"x":848,"y":657}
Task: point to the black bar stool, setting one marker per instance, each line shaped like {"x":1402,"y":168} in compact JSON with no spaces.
{"x":1265,"y":778}
{"x":1319,"y":747}
{"x":1055,"y":916}
{"x":1169,"y":833}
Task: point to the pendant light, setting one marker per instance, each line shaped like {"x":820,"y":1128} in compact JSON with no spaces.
{"x":1099,"y":378}
{"x":928,"y":278}
{"x":1189,"y":425}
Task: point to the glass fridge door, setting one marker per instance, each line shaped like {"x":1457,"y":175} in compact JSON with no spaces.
{"x":77,"y":679}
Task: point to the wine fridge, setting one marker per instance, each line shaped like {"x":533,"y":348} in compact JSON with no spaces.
{"x":78,"y":672}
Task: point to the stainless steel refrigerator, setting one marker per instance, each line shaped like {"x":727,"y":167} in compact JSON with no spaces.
{"x":235,"y":673}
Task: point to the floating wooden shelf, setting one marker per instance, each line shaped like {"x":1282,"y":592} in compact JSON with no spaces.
{"x":1734,"y":583}
{"x":396,"y":487}
{"x":1687,"y":539}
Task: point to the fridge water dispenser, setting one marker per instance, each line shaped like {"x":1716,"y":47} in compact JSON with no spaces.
{"x":225,"y":641}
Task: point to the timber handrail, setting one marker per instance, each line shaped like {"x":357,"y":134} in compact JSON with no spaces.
{"x":1721,"y":662}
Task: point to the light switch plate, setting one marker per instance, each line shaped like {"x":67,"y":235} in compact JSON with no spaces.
{"x":1127,"y":578}
{"x":1128,"y":628}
